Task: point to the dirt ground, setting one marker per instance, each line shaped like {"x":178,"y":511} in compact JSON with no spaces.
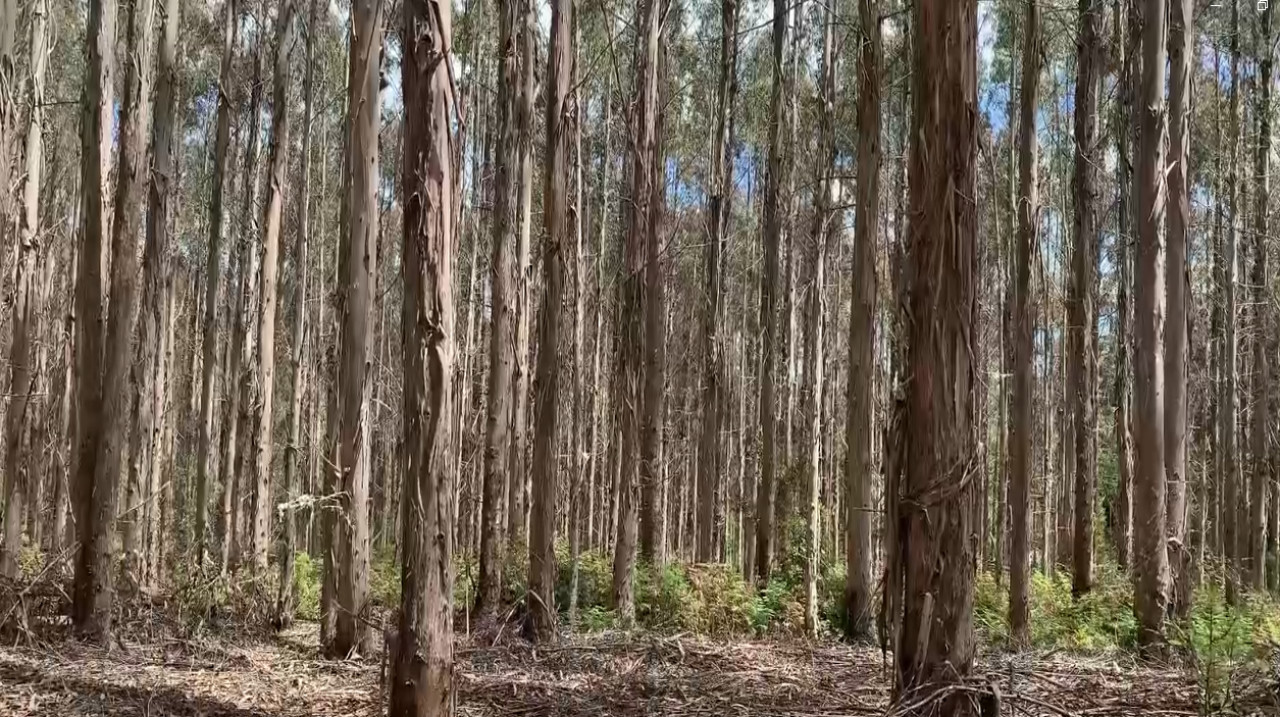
{"x":599,"y":676}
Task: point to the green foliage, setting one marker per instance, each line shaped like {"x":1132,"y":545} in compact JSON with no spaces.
{"x":306,"y":587}
{"x":1099,"y":621}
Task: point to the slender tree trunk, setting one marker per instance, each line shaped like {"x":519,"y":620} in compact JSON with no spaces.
{"x":1082,"y":332}
{"x":771,"y":222}
{"x":22,"y":379}
{"x":579,"y":482}
{"x":1260,"y":414}
{"x":1151,"y":559}
{"x":1177,"y":289}
{"x":1227,"y":400}
{"x":422,"y":671}
{"x":935,"y":644}
{"x":719,"y":198}
{"x":1126,"y":218}
{"x":1024,"y":322}
{"x":518,"y":468}
{"x":542,"y":529}
{"x":357,"y":271}
{"x":859,"y":470}
{"x":642,"y":156}
{"x":298,"y":332}
{"x":503,"y":288}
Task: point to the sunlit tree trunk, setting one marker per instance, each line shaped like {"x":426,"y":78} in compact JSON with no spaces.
{"x":357,"y":258}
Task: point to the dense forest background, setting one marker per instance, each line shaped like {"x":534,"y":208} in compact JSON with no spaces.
{"x":941,"y":325}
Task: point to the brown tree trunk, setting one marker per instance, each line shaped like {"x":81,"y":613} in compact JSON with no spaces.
{"x":20,"y":414}
{"x":96,"y":144}
{"x":719,"y":195}
{"x":1082,"y":332}
{"x":1176,"y":287}
{"x":859,"y":470}
{"x":940,"y":443}
{"x":518,"y":468}
{"x":358,"y":258}
{"x":1227,"y":401}
{"x":213,"y":267}
{"x":422,"y":671}
{"x":641,"y":158}
{"x":108,"y":461}
{"x":766,"y":491}
{"x":1126,"y":218}
{"x":1024,"y":322}
{"x":1151,"y":561}
{"x":542,"y":525}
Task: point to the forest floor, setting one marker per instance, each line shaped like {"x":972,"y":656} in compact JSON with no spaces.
{"x":605,"y":674}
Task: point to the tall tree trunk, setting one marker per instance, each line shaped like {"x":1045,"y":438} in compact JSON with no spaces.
{"x":542,"y":526}
{"x":22,"y":379}
{"x":1024,"y":322}
{"x":766,"y":491}
{"x":277,"y":166}
{"x":825,"y":224}
{"x":108,"y":461}
{"x":719,"y":209}
{"x":1260,"y":413}
{"x":8,"y":108}
{"x":1126,"y":220}
{"x":1082,"y":332}
{"x":422,"y":671}
{"x":1151,"y":559}
{"x":1176,"y":287}
{"x":940,"y":443}
{"x":641,"y":159}
{"x":358,"y":259}
{"x":213,"y":266}
{"x":298,"y":332}
{"x":1227,"y":400}
{"x":859,"y":471}
{"x":96,"y":144}
{"x":518,"y":468}
{"x":503,"y":288}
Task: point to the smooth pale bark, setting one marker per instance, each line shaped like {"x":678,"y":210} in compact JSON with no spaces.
{"x":771,"y":222}
{"x":1082,"y":331}
{"x":1259,"y":276}
{"x":422,"y":667}
{"x":860,"y":404}
{"x":95,"y":156}
{"x":277,"y":166}
{"x":642,"y":154}
{"x":213,"y":268}
{"x":1023,"y":330}
{"x":542,"y":524}
{"x":825,"y":224}
{"x":298,"y":333}
{"x":8,"y":108}
{"x":503,"y":288}
{"x":19,"y":416}
{"x":357,"y":269}
{"x":579,"y":482}
{"x":935,"y":646}
{"x":719,"y":196}
{"x":518,"y":468}
{"x":1177,"y":289}
{"x":108,"y":462}
{"x":1151,"y":560}
{"x":1227,"y":400}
